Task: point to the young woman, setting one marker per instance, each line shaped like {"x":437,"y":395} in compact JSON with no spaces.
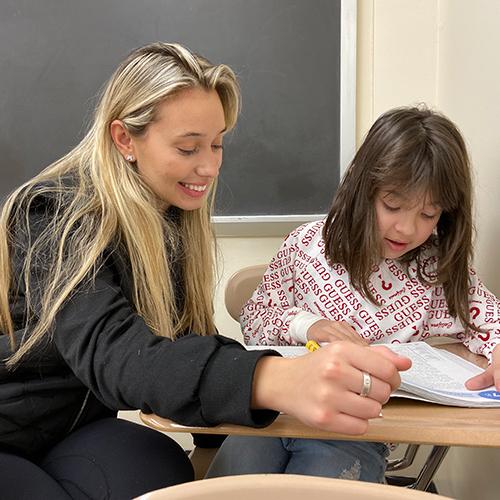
{"x":106,"y":277}
{"x":391,"y":263}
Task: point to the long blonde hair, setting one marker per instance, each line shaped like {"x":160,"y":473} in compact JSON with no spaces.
{"x":105,"y":206}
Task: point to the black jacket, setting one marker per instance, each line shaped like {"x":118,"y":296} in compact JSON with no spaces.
{"x":103,"y":358}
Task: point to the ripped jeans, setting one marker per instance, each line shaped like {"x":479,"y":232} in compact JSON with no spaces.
{"x":355,"y":460}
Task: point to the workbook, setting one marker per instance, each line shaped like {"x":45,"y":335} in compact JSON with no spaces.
{"x":436,"y":376}
{"x":439,"y":376}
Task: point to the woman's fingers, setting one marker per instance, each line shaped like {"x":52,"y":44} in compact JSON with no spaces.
{"x":349,"y":332}
{"x":344,"y":423}
{"x":388,"y":369}
{"x":351,"y":378}
{"x":360,"y":407}
{"x":322,"y":389}
{"x":379,"y":363}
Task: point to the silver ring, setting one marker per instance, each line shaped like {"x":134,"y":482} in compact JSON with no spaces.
{"x":367,"y":385}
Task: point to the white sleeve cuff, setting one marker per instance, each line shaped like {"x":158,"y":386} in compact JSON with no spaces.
{"x":299,"y":325}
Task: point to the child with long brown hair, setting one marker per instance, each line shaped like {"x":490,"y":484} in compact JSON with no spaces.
{"x":391,"y":263}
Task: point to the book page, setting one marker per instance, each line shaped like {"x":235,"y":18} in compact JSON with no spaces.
{"x":287,"y":351}
{"x":439,"y":376}
{"x":434,"y":369}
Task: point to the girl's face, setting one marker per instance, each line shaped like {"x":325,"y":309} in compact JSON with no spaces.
{"x":404,"y":223}
{"x":180,"y":154}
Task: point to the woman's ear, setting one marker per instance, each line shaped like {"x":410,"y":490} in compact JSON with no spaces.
{"x":122,"y":139}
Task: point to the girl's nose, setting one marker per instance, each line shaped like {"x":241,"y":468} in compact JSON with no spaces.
{"x":405,"y":225}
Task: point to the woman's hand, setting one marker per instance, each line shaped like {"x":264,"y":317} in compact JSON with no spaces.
{"x":322,"y":389}
{"x":491,"y":376}
{"x":325,"y":330}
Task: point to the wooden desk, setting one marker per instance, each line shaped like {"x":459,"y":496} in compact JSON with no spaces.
{"x":404,"y":421}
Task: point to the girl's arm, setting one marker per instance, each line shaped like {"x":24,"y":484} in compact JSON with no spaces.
{"x":280,"y":312}
{"x":266,"y":317}
{"x":484,"y":310}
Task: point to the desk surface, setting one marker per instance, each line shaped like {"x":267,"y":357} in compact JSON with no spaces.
{"x":403,"y":421}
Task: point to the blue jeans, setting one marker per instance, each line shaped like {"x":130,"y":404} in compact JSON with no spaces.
{"x":356,"y":460}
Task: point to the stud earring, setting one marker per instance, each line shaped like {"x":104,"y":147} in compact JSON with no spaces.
{"x":130,"y":158}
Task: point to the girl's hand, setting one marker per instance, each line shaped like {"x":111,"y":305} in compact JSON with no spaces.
{"x":330,"y":331}
{"x":490,"y":376}
{"x":322,"y":389}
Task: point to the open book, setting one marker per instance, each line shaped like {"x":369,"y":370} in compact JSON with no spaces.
{"x":436,"y":375}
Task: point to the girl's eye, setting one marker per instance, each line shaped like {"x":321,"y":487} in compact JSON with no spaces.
{"x":187,"y":152}
{"x":217,"y":147}
{"x":391,"y":208}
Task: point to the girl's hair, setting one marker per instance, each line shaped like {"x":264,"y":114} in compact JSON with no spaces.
{"x":106,"y":205}
{"x":413,"y":151}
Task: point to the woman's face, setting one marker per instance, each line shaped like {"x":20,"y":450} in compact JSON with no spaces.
{"x":180,"y":154}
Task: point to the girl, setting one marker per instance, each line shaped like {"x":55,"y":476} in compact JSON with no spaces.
{"x":389,"y":264}
{"x":106,"y":276}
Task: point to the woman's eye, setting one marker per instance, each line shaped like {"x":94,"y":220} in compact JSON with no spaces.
{"x":217,"y":147}
{"x":187,"y":152}
{"x":429,"y":216}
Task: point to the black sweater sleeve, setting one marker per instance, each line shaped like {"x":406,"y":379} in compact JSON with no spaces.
{"x":195,"y":380}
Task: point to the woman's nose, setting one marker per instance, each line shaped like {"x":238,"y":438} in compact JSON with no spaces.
{"x":209,"y":166}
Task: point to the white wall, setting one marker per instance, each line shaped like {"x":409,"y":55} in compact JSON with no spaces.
{"x":445,"y":53}
{"x":468,"y":91}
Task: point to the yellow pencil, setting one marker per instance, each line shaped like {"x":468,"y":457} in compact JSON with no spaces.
{"x":312,"y":345}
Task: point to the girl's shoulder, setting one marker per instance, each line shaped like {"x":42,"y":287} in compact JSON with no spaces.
{"x":428,"y":258}
{"x":309,"y":230}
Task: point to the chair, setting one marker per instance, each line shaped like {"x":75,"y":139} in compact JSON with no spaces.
{"x":284,"y":487}
{"x":240,"y":288}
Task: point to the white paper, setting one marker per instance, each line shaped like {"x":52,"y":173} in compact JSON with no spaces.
{"x":439,"y":376}
{"x":436,"y":375}
{"x":287,"y":351}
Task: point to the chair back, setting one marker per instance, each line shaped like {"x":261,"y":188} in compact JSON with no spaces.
{"x":285,"y":487}
{"x":240,"y":288}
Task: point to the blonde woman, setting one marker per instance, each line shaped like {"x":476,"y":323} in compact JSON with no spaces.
{"x":106,"y":278}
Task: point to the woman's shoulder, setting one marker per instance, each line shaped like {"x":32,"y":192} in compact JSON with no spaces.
{"x":44,"y":196}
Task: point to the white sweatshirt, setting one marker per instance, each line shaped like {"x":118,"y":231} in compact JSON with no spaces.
{"x":299,"y":288}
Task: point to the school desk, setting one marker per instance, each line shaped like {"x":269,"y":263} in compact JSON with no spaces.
{"x":404,"y":421}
